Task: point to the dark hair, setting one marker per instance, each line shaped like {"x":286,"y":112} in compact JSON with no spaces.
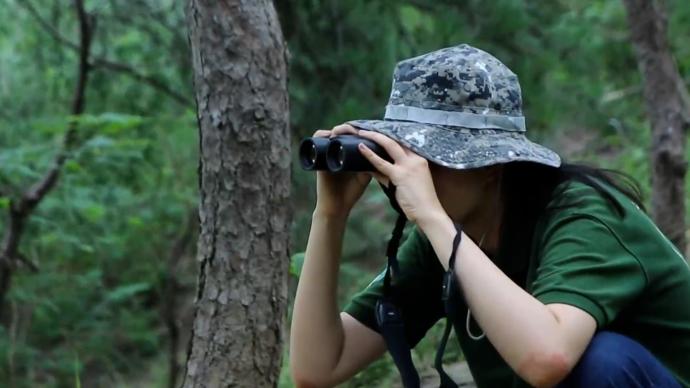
{"x":527,"y":189}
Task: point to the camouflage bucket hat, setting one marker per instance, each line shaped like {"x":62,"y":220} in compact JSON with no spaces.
{"x":459,"y":107}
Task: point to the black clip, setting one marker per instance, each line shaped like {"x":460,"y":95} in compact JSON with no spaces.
{"x":387,"y":313}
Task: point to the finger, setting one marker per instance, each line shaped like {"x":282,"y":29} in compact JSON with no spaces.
{"x":321,"y":133}
{"x":381,"y":165}
{"x":391,"y":146}
{"x":343,"y":129}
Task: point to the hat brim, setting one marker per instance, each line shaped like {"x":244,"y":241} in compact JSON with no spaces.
{"x":462,"y":148}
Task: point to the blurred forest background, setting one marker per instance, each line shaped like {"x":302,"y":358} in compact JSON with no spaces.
{"x":102,"y":294}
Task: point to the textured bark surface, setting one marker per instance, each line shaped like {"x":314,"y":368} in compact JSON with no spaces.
{"x":667,"y":108}
{"x":239,"y":61}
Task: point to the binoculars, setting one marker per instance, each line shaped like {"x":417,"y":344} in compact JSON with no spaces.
{"x":336,"y":154}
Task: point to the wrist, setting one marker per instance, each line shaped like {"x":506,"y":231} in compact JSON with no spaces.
{"x":433,"y":218}
{"x":440,"y":230}
{"x":330,"y":214}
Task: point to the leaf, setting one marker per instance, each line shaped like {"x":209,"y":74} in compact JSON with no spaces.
{"x":127,"y":291}
{"x":94,"y":213}
{"x":99,"y":142}
{"x":73,"y":166}
{"x":115,"y":123}
{"x":135,"y":221}
{"x":296,"y":262}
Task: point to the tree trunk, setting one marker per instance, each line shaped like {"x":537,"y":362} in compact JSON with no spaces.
{"x":667,"y":108}
{"x":239,"y":61}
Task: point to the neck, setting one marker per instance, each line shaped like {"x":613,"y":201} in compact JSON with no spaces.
{"x":484,"y":225}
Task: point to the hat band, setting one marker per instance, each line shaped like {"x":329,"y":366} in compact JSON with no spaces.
{"x":455,"y":119}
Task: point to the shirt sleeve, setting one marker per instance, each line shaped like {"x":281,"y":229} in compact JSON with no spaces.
{"x":419,"y":287}
{"x":583,"y":263}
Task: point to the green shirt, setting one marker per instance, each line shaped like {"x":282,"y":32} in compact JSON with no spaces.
{"x":620,"y":270}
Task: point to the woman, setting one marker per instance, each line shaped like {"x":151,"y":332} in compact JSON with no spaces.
{"x":564,"y":279}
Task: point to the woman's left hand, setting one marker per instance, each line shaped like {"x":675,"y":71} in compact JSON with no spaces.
{"x":410,"y":174}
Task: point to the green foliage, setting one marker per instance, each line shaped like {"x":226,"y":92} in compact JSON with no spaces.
{"x":102,"y":238}
{"x":296,"y":262}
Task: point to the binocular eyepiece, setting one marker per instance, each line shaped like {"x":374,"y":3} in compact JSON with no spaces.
{"x":340,"y":153}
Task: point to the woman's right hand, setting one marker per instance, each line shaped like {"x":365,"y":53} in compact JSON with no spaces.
{"x":337,"y":193}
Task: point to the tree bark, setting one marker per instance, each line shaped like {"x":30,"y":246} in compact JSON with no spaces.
{"x":666,"y":102}
{"x":240,"y":81}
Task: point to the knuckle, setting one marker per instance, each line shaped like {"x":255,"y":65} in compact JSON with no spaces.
{"x":344,"y":128}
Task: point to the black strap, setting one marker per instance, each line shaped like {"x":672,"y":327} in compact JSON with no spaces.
{"x":450,"y":295}
{"x":451,"y":291}
{"x":392,"y":329}
{"x":390,"y":193}
{"x":389,"y":317}
{"x":446,"y":381}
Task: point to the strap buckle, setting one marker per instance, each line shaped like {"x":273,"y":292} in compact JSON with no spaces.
{"x":387,"y":314}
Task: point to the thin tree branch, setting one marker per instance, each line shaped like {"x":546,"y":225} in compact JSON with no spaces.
{"x":104,"y":62}
{"x":20,"y":209}
{"x":47,"y":26}
{"x":628,"y":91}
{"x":28,"y":263}
{"x":150,"y":80}
{"x":86,"y":24}
{"x":126,"y":17}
